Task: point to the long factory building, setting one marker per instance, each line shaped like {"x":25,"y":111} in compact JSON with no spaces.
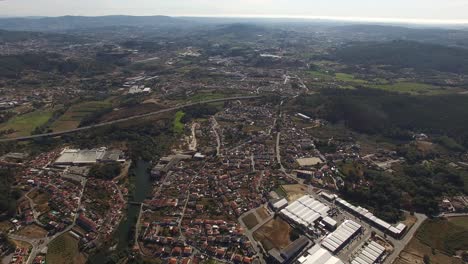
{"x":338,"y":239}
{"x":370,"y":254}
{"x":395,"y":231}
{"x":305,"y":211}
{"x":318,"y":255}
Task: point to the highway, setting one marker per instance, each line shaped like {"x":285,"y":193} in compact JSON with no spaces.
{"x":59,"y":133}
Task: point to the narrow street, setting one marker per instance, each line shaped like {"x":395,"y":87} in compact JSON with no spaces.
{"x":215,"y":127}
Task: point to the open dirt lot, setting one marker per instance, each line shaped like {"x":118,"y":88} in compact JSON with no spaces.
{"x":250,"y":220}
{"x":294,"y":191}
{"x":274,"y":234}
{"x":32,"y":231}
{"x":64,"y":249}
{"x":263,"y":213}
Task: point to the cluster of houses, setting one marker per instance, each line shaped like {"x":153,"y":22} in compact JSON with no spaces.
{"x":102,"y":208}
{"x":194,"y":189}
{"x":20,"y":255}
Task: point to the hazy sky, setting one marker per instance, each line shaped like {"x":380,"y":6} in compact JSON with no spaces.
{"x":388,"y":10}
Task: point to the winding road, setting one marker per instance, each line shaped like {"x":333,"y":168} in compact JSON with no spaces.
{"x":59,"y":133}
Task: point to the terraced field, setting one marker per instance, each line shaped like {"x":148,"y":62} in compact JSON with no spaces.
{"x":72,"y":118}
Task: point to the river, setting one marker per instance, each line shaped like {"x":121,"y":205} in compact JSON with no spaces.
{"x":123,"y":234}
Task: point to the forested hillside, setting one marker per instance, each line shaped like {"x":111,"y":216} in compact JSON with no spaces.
{"x":405,"y":54}
{"x":391,"y":114}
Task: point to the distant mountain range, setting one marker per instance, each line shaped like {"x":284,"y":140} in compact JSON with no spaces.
{"x":65,"y":23}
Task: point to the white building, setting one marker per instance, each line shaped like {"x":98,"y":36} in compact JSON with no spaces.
{"x":318,"y":255}
{"x":305,"y":211}
{"x":338,"y":239}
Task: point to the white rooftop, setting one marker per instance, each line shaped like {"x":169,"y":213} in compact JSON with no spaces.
{"x":318,"y":255}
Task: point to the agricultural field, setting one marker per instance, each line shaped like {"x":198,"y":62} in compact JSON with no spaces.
{"x":415,"y":251}
{"x":76,"y":113}
{"x":440,"y":246}
{"x":280,"y":191}
{"x":349,"y":78}
{"x":23,"y":125}
{"x":276,"y":233}
{"x":64,"y":249}
{"x":451,"y":236}
{"x":321,"y":76}
{"x":459,"y":221}
{"x":408,"y":87}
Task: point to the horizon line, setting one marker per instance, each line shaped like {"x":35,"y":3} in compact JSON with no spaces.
{"x":420,"y":21}
{"x":342,"y":18}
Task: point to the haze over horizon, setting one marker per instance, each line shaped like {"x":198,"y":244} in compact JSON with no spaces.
{"x":414,"y":11}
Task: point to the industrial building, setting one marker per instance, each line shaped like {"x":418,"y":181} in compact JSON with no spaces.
{"x":329,"y":223}
{"x":318,"y":255}
{"x":278,"y":204}
{"x":305,"y":211}
{"x":370,"y":254}
{"x":79,"y":157}
{"x":395,"y":231}
{"x":335,"y":241}
{"x":293,"y":249}
{"x":328,"y":197}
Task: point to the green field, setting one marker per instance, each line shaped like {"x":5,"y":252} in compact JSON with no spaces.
{"x":72,"y":118}
{"x":461,"y":221}
{"x":408,"y":87}
{"x":207,"y":96}
{"x":349,"y":78}
{"x":280,"y":191}
{"x":177,"y":125}
{"x":445,"y":235}
{"x":23,"y":125}
{"x":322,"y":76}
{"x":63,"y":249}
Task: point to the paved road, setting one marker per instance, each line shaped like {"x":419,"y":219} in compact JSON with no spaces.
{"x":40,"y":244}
{"x":278,"y":158}
{"x":398,"y":244}
{"x":401,"y":244}
{"x":452,"y":214}
{"x":218,"y":138}
{"x":249,"y":233}
{"x":54,"y":134}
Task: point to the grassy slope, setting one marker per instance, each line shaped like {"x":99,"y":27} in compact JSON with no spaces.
{"x":64,"y":249}
{"x":402,"y":87}
{"x":25,"y":124}
{"x":177,"y":125}
{"x":72,"y":118}
{"x":207,"y":96}
{"x":406,"y":87}
{"x":344,"y":77}
{"x":450,"y":236}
